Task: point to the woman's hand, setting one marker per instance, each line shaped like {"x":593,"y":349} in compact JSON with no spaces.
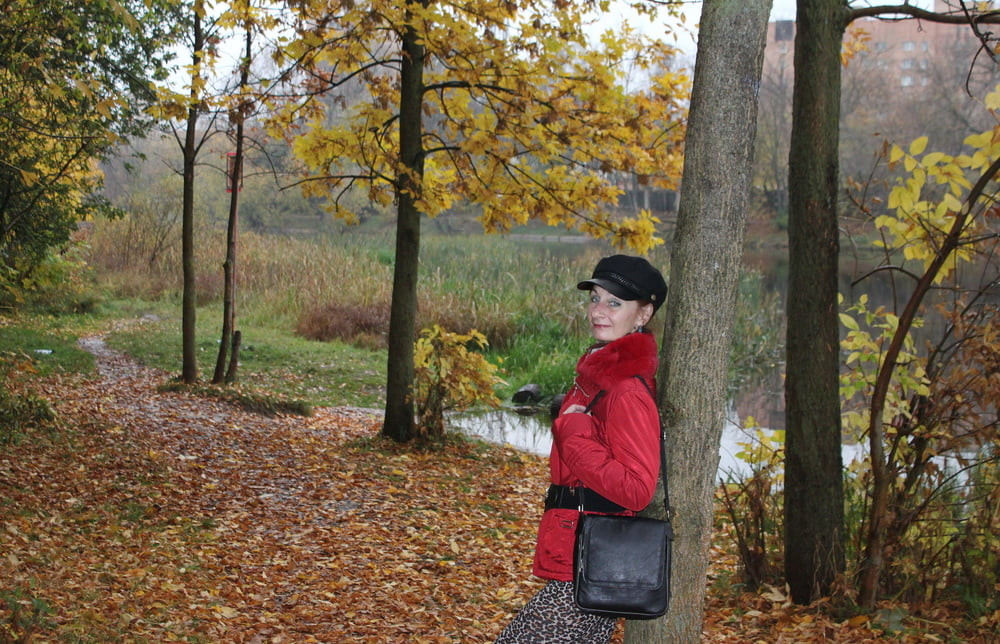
{"x":575,"y":409}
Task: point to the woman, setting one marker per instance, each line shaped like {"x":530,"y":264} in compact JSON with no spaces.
{"x":605,"y":453}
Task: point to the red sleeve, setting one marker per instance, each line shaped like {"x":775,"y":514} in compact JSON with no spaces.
{"x":625,"y":468}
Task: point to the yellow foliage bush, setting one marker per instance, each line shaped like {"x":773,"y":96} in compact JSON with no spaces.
{"x":450,"y":375}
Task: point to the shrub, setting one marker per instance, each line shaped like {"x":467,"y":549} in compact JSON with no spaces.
{"x":752,"y":503}
{"x":62,"y":282}
{"x":364,"y":325}
{"x":450,"y":376}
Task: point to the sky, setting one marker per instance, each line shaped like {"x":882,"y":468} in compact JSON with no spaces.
{"x":780,"y":10}
{"x":783,"y":10}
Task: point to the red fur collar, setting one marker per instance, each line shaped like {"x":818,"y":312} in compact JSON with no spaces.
{"x":632,"y":355}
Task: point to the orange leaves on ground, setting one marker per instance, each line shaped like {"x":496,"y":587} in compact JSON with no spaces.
{"x":164,"y":517}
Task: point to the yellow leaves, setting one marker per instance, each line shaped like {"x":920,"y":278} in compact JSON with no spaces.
{"x":849,"y":322}
{"x":918,"y":146}
{"x":868,"y":334}
{"x":638,"y":234}
{"x":104,"y":108}
{"x":981,"y":140}
{"x":29,"y":177}
{"x":895,"y":154}
{"x":449,"y":374}
{"x":170,"y":104}
{"x":226,"y":611}
{"x":858,"y":620}
{"x":855,"y":41}
{"x":924,"y":212}
{"x":438,"y":194}
{"x":515,"y":124}
{"x":993,"y":100}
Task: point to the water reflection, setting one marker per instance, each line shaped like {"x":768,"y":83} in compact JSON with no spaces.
{"x":505,"y":427}
{"x":531,"y":434}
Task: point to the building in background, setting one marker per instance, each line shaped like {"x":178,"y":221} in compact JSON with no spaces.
{"x":903,"y":47}
{"x":904,"y":78}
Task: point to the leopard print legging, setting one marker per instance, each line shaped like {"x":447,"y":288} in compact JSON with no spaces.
{"x":551,"y":617}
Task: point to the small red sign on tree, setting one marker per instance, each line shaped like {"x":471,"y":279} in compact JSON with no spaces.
{"x":231,"y":170}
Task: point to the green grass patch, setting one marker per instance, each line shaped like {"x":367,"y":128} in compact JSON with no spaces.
{"x":520,"y":294}
{"x":49,"y":350}
{"x":542,"y":353}
{"x":278,"y":370}
{"x":25,"y":613}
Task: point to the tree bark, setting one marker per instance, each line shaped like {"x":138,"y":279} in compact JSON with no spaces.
{"x":189,"y":356}
{"x":398,"y":423}
{"x":814,"y":501}
{"x":234,"y":358}
{"x":229,"y":266}
{"x":704,"y":272}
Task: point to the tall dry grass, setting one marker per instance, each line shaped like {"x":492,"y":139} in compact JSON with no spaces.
{"x":340,"y":286}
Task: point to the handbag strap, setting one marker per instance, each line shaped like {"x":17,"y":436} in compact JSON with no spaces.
{"x":663,"y":449}
{"x":593,"y":401}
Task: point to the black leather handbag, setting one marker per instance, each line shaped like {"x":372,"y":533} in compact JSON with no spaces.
{"x":622,"y":564}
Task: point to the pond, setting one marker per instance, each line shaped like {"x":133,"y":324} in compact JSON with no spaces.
{"x":531,"y":434}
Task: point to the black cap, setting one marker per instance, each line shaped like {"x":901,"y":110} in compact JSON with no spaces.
{"x":630,"y":278}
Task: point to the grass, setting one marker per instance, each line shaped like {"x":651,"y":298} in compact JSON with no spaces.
{"x":271,"y":359}
{"x":47,"y":350}
{"x":521,"y":296}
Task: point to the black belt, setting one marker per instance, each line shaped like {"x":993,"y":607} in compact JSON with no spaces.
{"x":569,"y":498}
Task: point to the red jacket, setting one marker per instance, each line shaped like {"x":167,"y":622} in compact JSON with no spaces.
{"x":614,"y":450}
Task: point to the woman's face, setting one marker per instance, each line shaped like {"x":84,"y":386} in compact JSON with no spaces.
{"x":612,"y":317}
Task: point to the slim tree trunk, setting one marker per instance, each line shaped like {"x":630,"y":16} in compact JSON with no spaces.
{"x":229,"y":266}
{"x":234,"y":358}
{"x":399,"y":424}
{"x":704,"y":272}
{"x":189,"y":362}
{"x":814,"y":497}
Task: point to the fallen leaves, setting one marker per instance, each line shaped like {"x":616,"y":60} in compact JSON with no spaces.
{"x":165,"y":517}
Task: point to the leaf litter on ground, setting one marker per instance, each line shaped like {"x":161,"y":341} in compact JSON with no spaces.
{"x":158,"y":516}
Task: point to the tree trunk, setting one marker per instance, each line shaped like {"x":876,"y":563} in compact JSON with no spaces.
{"x":704,"y":271}
{"x":398,"y":423}
{"x":229,"y":269}
{"x":814,"y":496}
{"x":229,"y":266}
{"x":189,"y":362}
{"x":234,"y":358}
